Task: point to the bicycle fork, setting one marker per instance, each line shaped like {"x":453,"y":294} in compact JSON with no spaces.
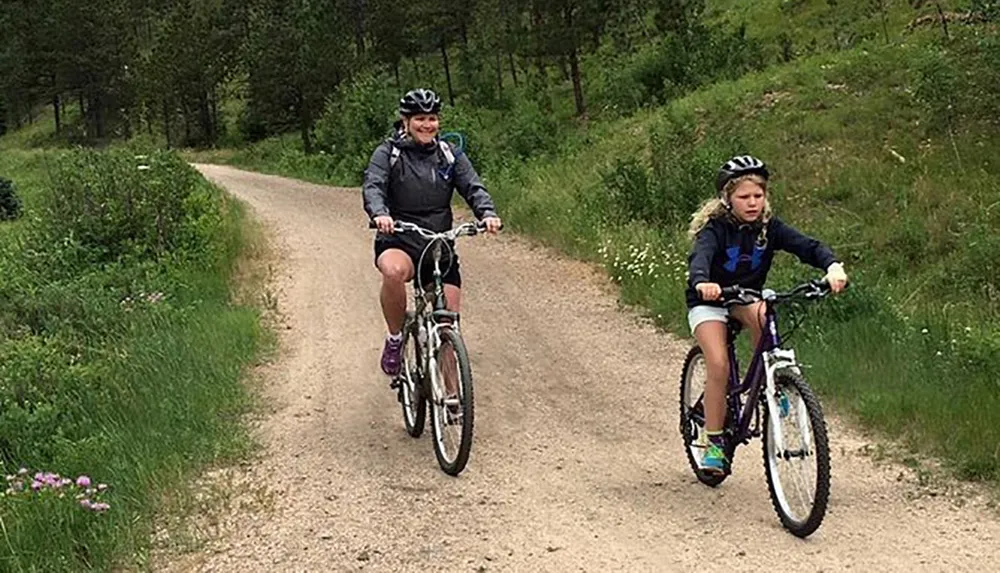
{"x":778,"y":405}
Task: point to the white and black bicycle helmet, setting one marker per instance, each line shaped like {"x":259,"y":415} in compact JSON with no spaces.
{"x":419,"y":101}
{"x":738,"y":167}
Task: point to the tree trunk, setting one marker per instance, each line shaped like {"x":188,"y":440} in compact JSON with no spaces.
{"x":205,"y":119}
{"x":513,"y":68}
{"x":166,"y":122}
{"x":885,"y":23}
{"x":98,"y":107}
{"x":214,"y":102}
{"x":499,"y":74}
{"x":359,"y":26}
{"x":395,"y":72}
{"x":574,"y":65}
{"x":187,"y":126}
{"x":447,"y":73}
{"x":305,"y":125}
{"x":537,"y":28}
{"x":944,"y":21}
{"x":57,"y":110}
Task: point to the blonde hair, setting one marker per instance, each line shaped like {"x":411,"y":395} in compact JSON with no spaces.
{"x":715,"y":208}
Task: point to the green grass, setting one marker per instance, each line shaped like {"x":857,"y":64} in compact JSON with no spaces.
{"x":815,"y":26}
{"x":98,"y":377}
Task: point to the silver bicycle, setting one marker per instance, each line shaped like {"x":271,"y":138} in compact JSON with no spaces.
{"x":436,"y":372}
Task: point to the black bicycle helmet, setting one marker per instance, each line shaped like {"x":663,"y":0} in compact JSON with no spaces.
{"x":419,"y":101}
{"x":738,"y":167}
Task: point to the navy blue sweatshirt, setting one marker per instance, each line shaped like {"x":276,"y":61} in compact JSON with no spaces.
{"x":727,"y":253}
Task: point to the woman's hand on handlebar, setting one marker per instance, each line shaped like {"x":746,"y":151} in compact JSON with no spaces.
{"x":384,"y":224}
{"x":493,"y":225}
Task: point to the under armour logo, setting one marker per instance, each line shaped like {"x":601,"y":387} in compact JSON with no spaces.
{"x":735,"y":257}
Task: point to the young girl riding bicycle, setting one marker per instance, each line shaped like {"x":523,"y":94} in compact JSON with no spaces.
{"x":735,"y":236}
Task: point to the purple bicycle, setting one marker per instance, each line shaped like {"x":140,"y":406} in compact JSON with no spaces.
{"x":773,"y":402}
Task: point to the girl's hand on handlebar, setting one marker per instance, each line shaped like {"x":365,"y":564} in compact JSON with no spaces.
{"x":708,"y":291}
{"x":836,"y":276}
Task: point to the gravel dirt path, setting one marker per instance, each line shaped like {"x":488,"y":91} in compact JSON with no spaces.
{"x":577,"y":464}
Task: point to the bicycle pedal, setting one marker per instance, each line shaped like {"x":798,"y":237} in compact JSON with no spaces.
{"x":394,"y":384}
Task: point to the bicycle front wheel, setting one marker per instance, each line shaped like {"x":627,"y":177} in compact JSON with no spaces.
{"x":411,"y":396}
{"x":452,"y":406}
{"x":796,"y":455}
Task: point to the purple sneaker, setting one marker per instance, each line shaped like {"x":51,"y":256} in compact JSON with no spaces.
{"x":392,"y":357}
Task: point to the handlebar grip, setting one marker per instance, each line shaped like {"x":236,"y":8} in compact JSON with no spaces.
{"x":371,"y":224}
{"x":731,"y":291}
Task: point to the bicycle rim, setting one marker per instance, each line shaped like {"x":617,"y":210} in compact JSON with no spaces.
{"x":413,"y":403}
{"x":796,"y":456}
{"x":452,"y":417}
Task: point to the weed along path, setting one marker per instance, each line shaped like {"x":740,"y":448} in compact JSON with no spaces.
{"x":577,"y":463}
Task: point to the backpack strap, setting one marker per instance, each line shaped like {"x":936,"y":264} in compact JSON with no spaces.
{"x":446,"y":150}
{"x":449,"y":155}
{"x":393,"y":155}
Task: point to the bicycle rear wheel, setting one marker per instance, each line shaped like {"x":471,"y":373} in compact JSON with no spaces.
{"x":692,"y":415}
{"x":452,"y":416}
{"x":796,"y":455}
{"x":411,"y":397}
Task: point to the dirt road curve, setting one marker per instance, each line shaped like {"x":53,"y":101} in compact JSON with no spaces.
{"x":577,"y":464}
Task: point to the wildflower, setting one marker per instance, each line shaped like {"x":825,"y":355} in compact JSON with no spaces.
{"x":83,"y":481}
{"x":924,"y":331}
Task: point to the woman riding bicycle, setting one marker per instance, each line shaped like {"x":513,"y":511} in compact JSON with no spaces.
{"x":735,"y":236}
{"x":411,"y":177}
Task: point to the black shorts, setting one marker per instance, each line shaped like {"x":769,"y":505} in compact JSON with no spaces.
{"x":449,"y":259}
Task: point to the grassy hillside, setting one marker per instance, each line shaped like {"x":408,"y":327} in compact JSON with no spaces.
{"x":887,"y":153}
{"x":122,"y":351}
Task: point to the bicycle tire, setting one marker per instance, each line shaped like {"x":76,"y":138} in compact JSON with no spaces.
{"x":455,"y":466}
{"x":801,"y":526}
{"x":690,"y":428}
{"x":411,"y":396}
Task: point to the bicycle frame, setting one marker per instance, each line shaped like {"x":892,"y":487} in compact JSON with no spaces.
{"x":439,"y":317}
{"x":743,"y":417}
{"x":767,"y":358}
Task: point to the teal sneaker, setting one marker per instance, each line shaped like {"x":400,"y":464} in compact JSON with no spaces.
{"x":783,"y":404}
{"x":714,"y":461}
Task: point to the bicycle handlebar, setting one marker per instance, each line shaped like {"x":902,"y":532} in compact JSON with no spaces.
{"x":465,"y":229}
{"x":810,"y":290}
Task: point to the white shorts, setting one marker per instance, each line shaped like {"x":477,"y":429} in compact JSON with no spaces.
{"x":704,"y":313}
